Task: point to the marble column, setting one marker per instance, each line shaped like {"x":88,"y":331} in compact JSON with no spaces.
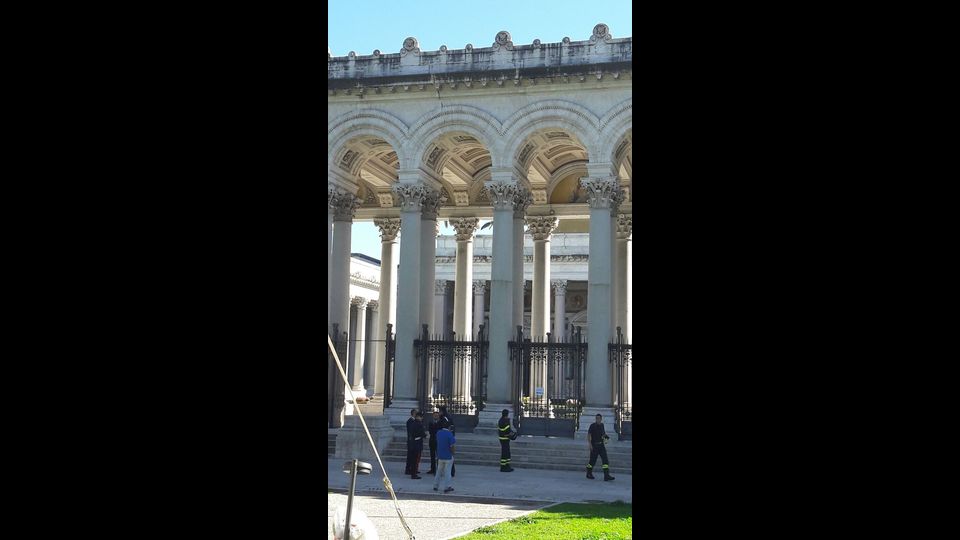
{"x":371,"y":370}
{"x":429,"y":230}
{"x":408,"y":295}
{"x":462,"y":299}
{"x":345,"y":205}
{"x":357,"y":339}
{"x":502,"y":295}
{"x":331,"y":201}
{"x":603,"y":195}
{"x":560,"y":310}
{"x":439,"y":308}
{"x":540,"y":229}
{"x":522,"y":200}
{"x":479,"y":289}
{"x":389,"y":227}
{"x":624,"y":279}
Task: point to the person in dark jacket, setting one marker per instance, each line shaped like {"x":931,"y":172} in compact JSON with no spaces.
{"x":433,"y":427}
{"x":418,"y":435}
{"x":410,"y":421}
{"x":596,"y":439}
{"x":504,"y":434}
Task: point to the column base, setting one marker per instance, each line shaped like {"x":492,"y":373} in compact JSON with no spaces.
{"x":588,"y":416}
{"x":352,"y":440}
{"x":490,"y":416}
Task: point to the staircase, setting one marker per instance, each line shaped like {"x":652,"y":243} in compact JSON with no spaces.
{"x":525,"y":453}
{"x":331,"y":444}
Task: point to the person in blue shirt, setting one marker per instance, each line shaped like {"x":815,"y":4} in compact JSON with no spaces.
{"x":445,"y":449}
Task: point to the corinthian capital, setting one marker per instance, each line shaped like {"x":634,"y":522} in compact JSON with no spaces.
{"x":560,"y":286}
{"x":521,"y":201}
{"x":432,"y":201}
{"x":479,"y":286}
{"x":602,"y":192}
{"x":344,"y":205}
{"x":624,"y":225}
{"x":389,"y":227}
{"x":465,"y":228}
{"x":411,"y":196}
{"x":540,"y":227}
{"x":359,"y":302}
{"x":501,"y":194}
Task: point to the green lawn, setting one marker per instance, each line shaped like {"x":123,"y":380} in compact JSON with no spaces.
{"x":611,"y":521}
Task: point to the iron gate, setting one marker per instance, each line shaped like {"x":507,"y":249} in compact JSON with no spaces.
{"x":621,"y":356}
{"x":548,"y":384}
{"x":336,"y":389}
{"x":453,"y":372}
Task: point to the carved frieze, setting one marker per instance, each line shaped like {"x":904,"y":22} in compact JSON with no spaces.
{"x":540,"y":227}
{"x":389,"y":227}
{"x":465,"y":228}
{"x":461,"y":198}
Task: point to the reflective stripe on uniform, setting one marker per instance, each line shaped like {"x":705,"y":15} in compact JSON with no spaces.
{"x":589,"y":466}
{"x":605,"y":466}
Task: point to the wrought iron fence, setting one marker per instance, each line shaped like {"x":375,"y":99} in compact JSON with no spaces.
{"x":621,"y":356}
{"x":549,"y":384}
{"x":336,"y":392}
{"x":452,"y":372}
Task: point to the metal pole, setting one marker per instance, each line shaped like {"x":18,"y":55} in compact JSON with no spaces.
{"x":353,"y":484}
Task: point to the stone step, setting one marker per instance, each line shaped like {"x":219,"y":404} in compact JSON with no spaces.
{"x":522,"y":464}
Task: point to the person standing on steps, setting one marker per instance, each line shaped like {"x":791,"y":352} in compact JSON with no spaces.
{"x":433,"y":428}
{"x":445,"y":449}
{"x":596,"y":440}
{"x":447,"y":422}
{"x":504,"y":434}
{"x":410,"y":421}
{"x":418,"y":435}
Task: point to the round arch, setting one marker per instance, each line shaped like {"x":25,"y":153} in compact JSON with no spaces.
{"x":366,"y":122}
{"x":565,"y":115}
{"x":614,"y":127}
{"x":456,"y":118}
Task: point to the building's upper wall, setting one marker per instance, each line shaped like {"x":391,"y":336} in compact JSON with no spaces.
{"x":412,"y":63}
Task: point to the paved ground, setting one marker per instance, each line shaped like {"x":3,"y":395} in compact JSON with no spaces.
{"x":430,"y":517}
{"x":482,"y":496}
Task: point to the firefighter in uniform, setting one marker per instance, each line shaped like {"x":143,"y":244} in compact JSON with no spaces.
{"x":505,"y":434}
{"x":596,"y":438}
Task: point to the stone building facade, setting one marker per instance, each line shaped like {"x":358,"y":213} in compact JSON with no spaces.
{"x":537,"y":137}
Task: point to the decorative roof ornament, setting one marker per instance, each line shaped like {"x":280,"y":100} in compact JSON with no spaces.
{"x":601,"y":34}
{"x":410,"y":45}
{"x":502,"y":41}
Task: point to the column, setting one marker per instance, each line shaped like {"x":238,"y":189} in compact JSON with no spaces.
{"x":357,"y":338}
{"x":540,"y":229}
{"x":439,"y":308}
{"x":502,"y":192}
{"x":331,"y":200}
{"x":389,"y":227}
{"x":408,"y":296}
{"x":429,"y":230}
{"x":345,"y":205}
{"x":624,"y":279}
{"x":522,"y":200}
{"x":479,"y":290}
{"x":560,"y":310}
{"x":463,"y":284}
{"x":603,"y":195}
{"x":374,"y":349}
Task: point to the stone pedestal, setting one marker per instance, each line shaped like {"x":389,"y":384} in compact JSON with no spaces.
{"x":352,"y":441}
{"x":587,"y":417}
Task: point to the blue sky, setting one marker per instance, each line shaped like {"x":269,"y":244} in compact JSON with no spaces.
{"x":365,"y":25}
